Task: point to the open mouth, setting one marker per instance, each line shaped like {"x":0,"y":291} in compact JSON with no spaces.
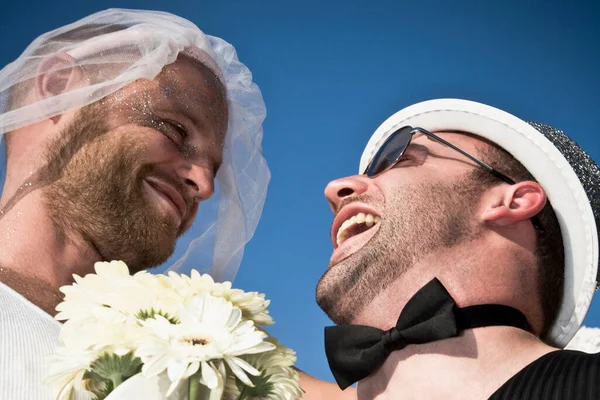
{"x":355,"y":225}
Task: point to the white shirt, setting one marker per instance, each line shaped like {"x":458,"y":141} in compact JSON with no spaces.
{"x":28,"y":337}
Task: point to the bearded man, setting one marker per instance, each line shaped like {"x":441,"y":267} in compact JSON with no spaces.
{"x":466,"y":257}
{"x":115,"y":128}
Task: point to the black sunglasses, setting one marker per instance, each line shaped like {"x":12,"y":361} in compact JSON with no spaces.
{"x":391,"y":151}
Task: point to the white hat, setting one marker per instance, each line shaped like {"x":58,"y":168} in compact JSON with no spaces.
{"x":569,"y":176}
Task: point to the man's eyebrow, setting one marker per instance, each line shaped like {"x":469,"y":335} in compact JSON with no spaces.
{"x":193,"y":116}
{"x":419,"y":148}
{"x":196,"y":106}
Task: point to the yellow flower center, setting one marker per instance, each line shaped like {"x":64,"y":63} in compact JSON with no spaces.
{"x":197,"y":340}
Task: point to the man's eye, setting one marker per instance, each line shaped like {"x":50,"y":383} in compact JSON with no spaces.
{"x":178,"y":128}
{"x":402,"y":161}
{"x":174,"y":131}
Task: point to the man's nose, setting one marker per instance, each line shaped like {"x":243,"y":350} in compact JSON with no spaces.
{"x":199,"y":181}
{"x":339,"y":189}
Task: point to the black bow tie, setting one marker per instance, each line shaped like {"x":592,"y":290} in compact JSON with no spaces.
{"x":355,"y":351}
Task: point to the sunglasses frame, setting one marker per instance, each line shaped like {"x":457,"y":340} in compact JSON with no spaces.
{"x":409,"y":130}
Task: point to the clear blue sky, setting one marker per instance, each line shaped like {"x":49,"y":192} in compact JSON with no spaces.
{"x":332,"y":71}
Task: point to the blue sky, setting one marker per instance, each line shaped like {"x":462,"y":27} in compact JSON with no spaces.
{"x":331,"y":72}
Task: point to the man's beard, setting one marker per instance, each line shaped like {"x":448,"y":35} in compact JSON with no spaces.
{"x":418,"y":220}
{"x":96,"y":192}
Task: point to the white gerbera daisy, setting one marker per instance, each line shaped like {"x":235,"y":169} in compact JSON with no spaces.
{"x":277,"y":381}
{"x":210,"y":328}
{"x":88,"y":295}
{"x":253,"y":304}
{"x":67,"y":368}
{"x":113,"y":296}
{"x":101,"y":336}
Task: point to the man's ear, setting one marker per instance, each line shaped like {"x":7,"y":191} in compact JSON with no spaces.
{"x":57,"y":74}
{"x":515,"y":203}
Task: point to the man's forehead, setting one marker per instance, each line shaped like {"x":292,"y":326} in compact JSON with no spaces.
{"x":191,"y":84}
{"x":182,"y":86}
{"x":187,"y":70}
{"x":464,"y":140}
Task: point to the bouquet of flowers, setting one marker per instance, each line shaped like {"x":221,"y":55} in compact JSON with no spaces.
{"x":167,"y":337}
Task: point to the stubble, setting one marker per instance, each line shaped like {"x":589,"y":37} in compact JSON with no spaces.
{"x":96,"y":193}
{"x":418,"y":219}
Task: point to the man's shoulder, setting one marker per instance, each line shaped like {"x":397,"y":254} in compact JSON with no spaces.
{"x":17,"y":306}
{"x":21,"y":320}
{"x":564,"y":374}
{"x":28,"y":336}
{"x":575,"y":359}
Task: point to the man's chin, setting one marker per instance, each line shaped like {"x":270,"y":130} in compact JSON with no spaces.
{"x":148,"y":260}
{"x":148,"y":251}
{"x":332,"y":289}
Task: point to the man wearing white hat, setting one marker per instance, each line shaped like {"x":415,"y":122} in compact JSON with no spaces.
{"x":119,"y":128}
{"x":466,"y":256}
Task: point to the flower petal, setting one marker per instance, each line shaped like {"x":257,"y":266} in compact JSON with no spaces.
{"x":155,"y":366}
{"x":209,"y":375}
{"x":176,"y":369}
{"x":192,"y":369}
{"x":245,"y":366}
{"x":237,"y":371}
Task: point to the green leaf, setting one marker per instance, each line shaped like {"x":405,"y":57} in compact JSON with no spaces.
{"x":100,"y":387}
{"x":262,"y":387}
{"x":143,"y":315}
{"x":110,"y":370}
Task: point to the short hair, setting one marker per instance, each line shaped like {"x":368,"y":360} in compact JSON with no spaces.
{"x":77,"y":35}
{"x":550,"y":249}
{"x":17,"y":93}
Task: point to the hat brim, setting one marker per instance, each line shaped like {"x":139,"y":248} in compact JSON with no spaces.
{"x":549,"y":167}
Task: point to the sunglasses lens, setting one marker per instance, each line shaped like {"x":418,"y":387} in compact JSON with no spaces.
{"x":390,"y":151}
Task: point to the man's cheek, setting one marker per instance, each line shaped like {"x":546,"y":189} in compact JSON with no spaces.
{"x":190,"y":219}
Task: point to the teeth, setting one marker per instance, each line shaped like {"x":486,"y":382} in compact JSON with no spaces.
{"x":361,"y":218}
{"x":345,"y":225}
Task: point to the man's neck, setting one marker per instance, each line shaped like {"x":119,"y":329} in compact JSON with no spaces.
{"x":481,"y":359}
{"x":35,"y":290}
{"x":35,"y":260}
{"x":470,"y":277}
